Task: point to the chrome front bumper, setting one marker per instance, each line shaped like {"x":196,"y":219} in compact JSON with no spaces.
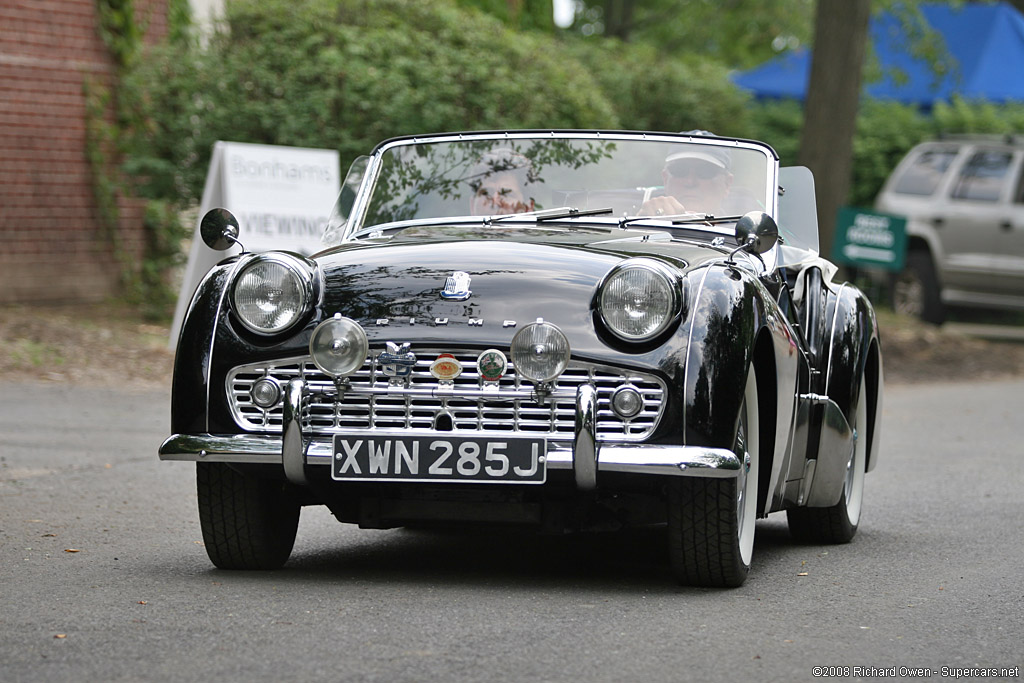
{"x":585,"y":455}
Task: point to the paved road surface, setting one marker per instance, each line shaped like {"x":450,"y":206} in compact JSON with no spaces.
{"x":935,"y":578}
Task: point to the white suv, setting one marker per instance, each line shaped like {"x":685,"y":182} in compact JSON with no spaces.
{"x":963,"y":198}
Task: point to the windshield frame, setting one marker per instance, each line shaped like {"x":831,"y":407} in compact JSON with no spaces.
{"x":355,"y":221}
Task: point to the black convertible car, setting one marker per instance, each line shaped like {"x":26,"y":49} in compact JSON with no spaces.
{"x":569,"y":330}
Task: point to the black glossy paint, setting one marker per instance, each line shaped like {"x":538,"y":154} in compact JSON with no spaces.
{"x":521,"y":274}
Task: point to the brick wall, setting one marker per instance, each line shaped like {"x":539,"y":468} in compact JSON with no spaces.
{"x":50,"y":244}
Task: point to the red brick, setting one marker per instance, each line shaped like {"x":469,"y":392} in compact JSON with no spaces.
{"x":48,"y":216}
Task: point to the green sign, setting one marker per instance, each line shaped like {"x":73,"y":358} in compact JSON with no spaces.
{"x":866,"y":238}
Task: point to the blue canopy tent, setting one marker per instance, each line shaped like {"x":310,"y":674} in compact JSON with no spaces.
{"x":986,"y":43}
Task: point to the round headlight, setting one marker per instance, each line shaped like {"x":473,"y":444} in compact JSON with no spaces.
{"x":270,"y":294}
{"x":639,"y":299}
{"x":540,"y":352}
{"x":338,"y":346}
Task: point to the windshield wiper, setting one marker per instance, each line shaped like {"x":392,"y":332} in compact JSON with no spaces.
{"x":680,"y":219}
{"x":706,"y":219}
{"x":551,"y":214}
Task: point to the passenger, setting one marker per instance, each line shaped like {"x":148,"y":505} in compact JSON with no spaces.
{"x":498,"y":183}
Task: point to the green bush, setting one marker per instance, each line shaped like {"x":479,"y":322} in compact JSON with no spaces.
{"x":344,"y":74}
{"x":650,"y":92}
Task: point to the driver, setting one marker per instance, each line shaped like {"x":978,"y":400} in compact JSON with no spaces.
{"x":696,"y":180}
{"x":498,"y":182}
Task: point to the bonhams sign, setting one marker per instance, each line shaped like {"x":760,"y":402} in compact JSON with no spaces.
{"x":282,"y":197}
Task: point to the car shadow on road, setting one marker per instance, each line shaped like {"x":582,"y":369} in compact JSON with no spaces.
{"x":625,"y":560}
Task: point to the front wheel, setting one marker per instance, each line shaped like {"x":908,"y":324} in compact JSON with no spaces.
{"x":838,"y":524}
{"x":247,"y":522}
{"x":711,"y":521}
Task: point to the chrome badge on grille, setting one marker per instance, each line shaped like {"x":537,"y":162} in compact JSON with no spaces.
{"x":397,"y":362}
{"x":456,"y":287}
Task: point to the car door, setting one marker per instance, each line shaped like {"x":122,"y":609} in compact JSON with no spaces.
{"x":1008,"y":259}
{"x":976,"y":207}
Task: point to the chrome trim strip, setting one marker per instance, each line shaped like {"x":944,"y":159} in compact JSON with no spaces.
{"x":292,"y":451}
{"x":688,"y":461}
{"x":235,"y":448}
{"x":584,"y":457}
{"x":832,"y":336}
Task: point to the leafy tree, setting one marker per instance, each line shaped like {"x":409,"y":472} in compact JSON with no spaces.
{"x":739,"y":33}
{"x":518,"y":14}
{"x":345,"y":74}
{"x":830,"y":108}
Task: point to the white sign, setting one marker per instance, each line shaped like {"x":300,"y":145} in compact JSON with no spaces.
{"x":281,"y":196}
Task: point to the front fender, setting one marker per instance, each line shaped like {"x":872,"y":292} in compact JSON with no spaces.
{"x":854,"y":352}
{"x":189,"y":389}
{"x":726,"y":314}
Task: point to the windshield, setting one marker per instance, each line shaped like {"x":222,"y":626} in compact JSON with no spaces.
{"x":504,"y":175}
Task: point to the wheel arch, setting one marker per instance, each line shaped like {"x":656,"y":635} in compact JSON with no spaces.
{"x":875,"y":387}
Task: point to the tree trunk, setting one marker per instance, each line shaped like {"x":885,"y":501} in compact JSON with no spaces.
{"x":618,"y":18}
{"x":830,"y":109}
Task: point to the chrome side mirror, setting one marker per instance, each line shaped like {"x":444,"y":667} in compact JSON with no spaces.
{"x":757,"y":232}
{"x":219,"y":229}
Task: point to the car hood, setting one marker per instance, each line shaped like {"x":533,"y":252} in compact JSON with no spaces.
{"x":394,"y":288}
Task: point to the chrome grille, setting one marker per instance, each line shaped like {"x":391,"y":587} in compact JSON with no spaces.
{"x":370,"y":403}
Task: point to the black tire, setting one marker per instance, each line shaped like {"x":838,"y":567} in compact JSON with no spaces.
{"x":711,"y":521}
{"x":838,"y":524}
{"x":247,"y":522}
{"x":916,"y":291}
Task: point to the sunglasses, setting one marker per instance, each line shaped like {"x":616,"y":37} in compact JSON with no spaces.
{"x":702,"y":170}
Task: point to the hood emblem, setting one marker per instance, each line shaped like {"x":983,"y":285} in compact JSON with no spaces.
{"x":456,"y":287}
{"x":398,"y":361}
{"x":492,"y":365}
{"x":446,"y":368}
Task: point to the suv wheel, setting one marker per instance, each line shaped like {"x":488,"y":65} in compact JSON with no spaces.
{"x":915,"y":290}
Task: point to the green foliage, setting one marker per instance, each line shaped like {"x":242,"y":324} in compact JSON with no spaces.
{"x":738,"y":33}
{"x":111,"y":132}
{"x":886,"y":131}
{"x":119,"y":30}
{"x":179,"y":21}
{"x":344,"y":74}
{"x":650,"y":92}
{"x":520,"y":14}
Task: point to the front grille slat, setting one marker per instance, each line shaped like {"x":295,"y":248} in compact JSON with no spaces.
{"x":370,"y":403}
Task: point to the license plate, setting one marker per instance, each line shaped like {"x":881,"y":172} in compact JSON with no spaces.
{"x":433,"y":459}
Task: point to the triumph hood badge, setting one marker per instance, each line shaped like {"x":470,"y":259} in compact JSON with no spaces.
{"x":456,"y":287}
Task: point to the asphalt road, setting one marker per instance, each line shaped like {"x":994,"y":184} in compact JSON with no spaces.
{"x":103,"y":576}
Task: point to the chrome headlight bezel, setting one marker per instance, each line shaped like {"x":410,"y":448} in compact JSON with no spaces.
{"x":303,"y":278}
{"x":673,"y":289}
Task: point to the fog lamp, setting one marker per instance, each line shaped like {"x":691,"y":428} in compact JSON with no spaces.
{"x":338,"y":346}
{"x":540,"y":352}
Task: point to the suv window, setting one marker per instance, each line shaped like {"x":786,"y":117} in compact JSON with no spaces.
{"x":983,"y":176}
{"x":923,"y":175}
